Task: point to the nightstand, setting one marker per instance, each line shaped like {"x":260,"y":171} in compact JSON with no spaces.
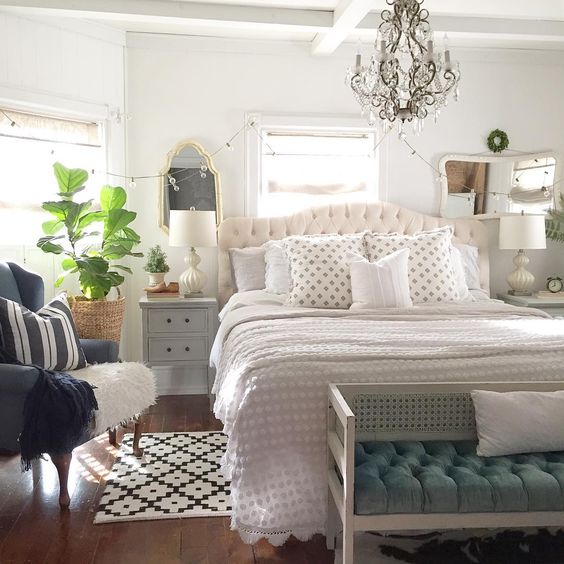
{"x":179,"y":332}
{"x":553,"y":306}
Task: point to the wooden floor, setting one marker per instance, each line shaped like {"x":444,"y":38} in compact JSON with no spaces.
{"x":32,"y":529}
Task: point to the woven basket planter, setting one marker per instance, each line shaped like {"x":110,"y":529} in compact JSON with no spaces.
{"x":98,"y":319}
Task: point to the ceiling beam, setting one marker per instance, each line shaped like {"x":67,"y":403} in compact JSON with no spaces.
{"x":177,"y":13}
{"x":351,"y":20}
{"x":479,"y":27}
{"x":348,"y":14}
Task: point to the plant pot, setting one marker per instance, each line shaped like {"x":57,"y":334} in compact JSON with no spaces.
{"x":156,"y":278}
{"x":98,"y":319}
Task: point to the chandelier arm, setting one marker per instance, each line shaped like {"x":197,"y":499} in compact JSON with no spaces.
{"x":412,"y":37}
{"x":450,"y":83}
{"x":396,"y":26}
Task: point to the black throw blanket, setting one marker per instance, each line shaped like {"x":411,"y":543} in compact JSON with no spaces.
{"x":57,"y":413}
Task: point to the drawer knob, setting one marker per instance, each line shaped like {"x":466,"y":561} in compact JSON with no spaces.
{"x":169,"y":320}
{"x":187,"y":349}
{"x":168,"y":349}
{"x":187,"y":320}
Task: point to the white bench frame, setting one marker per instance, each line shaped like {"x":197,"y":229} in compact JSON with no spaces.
{"x":341,"y":438}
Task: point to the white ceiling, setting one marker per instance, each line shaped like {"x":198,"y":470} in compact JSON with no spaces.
{"x":325,"y":24}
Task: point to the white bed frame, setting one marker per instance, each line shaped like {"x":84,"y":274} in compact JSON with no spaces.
{"x":374,"y":422}
{"x":382,"y":217}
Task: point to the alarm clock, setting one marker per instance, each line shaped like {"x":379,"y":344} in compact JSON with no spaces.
{"x":554,"y":284}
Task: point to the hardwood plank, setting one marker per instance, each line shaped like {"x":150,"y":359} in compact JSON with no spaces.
{"x":32,"y":529}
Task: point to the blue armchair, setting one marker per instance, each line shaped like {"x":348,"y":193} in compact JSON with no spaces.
{"x":27,"y":288}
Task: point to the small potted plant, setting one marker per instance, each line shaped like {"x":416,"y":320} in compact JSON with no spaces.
{"x":156,"y":265}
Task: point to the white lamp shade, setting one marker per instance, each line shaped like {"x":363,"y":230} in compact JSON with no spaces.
{"x":522,"y":232}
{"x":192,"y":228}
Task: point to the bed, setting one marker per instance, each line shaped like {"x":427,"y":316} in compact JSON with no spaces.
{"x":274,"y":363}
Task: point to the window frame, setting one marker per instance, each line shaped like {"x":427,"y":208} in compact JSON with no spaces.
{"x":293,"y":122}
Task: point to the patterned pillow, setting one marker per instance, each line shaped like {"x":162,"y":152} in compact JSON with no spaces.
{"x":320,"y":271}
{"x":47,"y":338}
{"x":431,"y":271}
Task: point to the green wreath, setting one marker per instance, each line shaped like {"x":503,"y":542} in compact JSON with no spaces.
{"x":498,"y":141}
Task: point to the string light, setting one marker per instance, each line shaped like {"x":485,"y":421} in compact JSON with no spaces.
{"x":201,"y":170}
{"x":132,"y":183}
{"x":10,"y":119}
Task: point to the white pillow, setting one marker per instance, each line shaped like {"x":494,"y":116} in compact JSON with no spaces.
{"x":518,"y":422}
{"x":247,"y":268}
{"x":277,"y":273}
{"x":431,"y":270}
{"x":320,"y":270}
{"x":384,"y":283}
{"x":459,"y":275}
{"x":471,"y":265}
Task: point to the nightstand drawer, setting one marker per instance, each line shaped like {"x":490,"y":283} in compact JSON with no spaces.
{"x":178,"y":321}
{"x":174,"y":350}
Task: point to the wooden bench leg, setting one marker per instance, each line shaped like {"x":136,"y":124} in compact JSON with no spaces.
{"x":62,"y":464}
{"x":112,"y":435}
{"x":137,"y":431}
{"x":333,"y":520}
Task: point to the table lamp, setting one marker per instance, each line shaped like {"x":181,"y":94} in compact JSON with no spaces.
{"x":192,"y":228}
{"x":521,"y":232}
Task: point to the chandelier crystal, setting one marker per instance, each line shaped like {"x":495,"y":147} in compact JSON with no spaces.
{"x":406,"y":79}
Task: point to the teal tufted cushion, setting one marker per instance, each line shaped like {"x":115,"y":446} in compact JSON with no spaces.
{"x":449,"y":477}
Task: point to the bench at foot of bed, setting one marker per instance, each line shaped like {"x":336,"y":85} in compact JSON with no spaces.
{"x":403,"y":457}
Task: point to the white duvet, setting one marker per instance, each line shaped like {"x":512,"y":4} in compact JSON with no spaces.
{"x":273,"y":365}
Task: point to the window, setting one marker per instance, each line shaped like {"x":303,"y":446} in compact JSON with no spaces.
{"x":29,"y":145}
{"x":304,"y":162}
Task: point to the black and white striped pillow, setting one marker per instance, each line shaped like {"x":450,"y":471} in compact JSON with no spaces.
{"x":47,"y":338}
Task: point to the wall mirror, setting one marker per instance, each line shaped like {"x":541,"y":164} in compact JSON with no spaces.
{"x":189,"y":179}
{"x":486,"y":186}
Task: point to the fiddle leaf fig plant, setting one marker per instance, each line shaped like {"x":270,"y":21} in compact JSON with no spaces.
{"x":90,"y":239}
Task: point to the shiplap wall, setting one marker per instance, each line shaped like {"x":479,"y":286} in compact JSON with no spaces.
{"x":70,"y":66}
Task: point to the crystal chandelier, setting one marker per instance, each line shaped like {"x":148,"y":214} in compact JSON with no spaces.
{"x":405,"y":79}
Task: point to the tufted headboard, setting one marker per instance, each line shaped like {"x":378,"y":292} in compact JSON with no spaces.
{"x":383,"y":217}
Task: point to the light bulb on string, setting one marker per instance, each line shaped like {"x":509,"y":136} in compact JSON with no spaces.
{"x":202,"y":174}
{"x":229,"y":146}
{"x":132,"y":183}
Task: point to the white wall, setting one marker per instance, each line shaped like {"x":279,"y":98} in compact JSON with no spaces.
{"x":200,"y":88}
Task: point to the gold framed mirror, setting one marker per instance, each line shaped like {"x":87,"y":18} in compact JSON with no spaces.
{"x":189,"y":180}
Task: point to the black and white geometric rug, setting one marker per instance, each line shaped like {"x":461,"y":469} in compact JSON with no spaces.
{"x":178,"y":476}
